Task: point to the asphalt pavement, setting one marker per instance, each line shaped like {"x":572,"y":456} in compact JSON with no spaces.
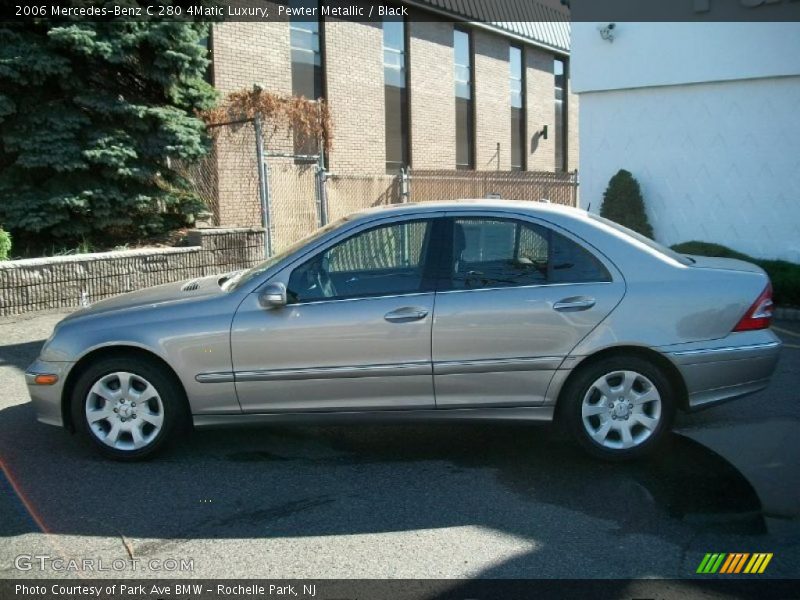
{"x":400,"y":501}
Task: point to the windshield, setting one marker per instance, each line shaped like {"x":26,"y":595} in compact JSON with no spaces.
{"x":242,"y":277}
{"x":684,"y":260}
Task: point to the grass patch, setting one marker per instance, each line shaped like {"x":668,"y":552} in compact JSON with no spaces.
{"x":785,"y":275}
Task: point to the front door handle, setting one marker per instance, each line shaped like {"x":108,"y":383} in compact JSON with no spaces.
{"x":406,"y":314}
{"x":573,"y":304}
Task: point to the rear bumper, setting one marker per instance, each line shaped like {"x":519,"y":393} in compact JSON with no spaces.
{"x":46,"y":399}
{"x":735,"y":366}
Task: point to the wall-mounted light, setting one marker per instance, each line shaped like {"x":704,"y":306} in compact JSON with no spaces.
{"x":607,"y":32}
{"x":544,"y":132}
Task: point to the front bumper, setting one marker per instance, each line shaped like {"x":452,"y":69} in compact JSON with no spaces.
{"x":46,"y":399}
{"x":738,"y":365}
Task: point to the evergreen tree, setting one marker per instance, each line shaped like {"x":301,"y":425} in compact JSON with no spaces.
{"x":623,"y":203}
{"x":93,"y":116}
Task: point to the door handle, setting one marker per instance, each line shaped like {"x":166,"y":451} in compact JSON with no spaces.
{"x":573,"y":304}
{"x":405,"y":314}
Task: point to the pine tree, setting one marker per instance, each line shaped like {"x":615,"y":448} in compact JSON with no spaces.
{"x":623,"y":203}
{"x":93,"y":116}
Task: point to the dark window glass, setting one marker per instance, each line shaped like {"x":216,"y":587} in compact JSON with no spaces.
{"x":517,"y":85}
{"x":207,"y":42}
{"x":378,"y":262}
{"x":560,"y":139}
{"x":465,"y":145}
{"x":492,"y":253}
{"x":304,"y":40}
{"x":395,"y":95}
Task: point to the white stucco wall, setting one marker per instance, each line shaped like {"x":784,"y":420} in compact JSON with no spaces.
{"x":707,"y":117}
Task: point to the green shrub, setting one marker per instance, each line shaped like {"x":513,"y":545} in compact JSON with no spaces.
{"x":5,"y":244}
{"x":623,"y":203}
{"x":785,"y":275}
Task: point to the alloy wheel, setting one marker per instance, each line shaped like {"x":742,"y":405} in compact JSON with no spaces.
{"x":621,"y":410}
{"x":124,"y":411}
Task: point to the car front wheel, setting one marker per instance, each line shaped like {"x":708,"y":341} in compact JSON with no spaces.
{"x":127,"y":407}
{"x":619,"y":408}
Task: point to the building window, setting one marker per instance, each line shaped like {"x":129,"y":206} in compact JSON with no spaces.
{"x":304,"y":39}
{"x":306,"y":58}
{"x":560,"y":138}
{"x":207,"y":42}
{"x":465,"y":134}
{"x":518,"y":115}
{"x":395,"y":86}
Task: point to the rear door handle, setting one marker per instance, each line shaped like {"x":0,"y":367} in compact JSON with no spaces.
{"x":575,"y":303}
{"x":406,"y":314}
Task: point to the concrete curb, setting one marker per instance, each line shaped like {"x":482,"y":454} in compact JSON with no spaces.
{"x":782,"y":313}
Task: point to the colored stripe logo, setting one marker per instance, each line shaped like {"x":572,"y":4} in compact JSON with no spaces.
{"x":732,"y":563}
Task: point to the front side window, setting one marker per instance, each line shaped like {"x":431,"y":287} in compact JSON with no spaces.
{"x":383,"y":261}
{"x":493,"y":253}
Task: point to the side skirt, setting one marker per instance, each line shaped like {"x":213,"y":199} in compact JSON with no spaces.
{"x":534,"y":413}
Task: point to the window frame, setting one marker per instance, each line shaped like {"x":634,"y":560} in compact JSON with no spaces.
{"x":444,"y":268}
{"x":432,"y":259}
{"x":406,"y":108}
{"x":523,"y":148}
{"x":564,"y":141}
{"x":472,"y":114}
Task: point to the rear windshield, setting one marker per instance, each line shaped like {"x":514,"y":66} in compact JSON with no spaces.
{"x":682,"y":259}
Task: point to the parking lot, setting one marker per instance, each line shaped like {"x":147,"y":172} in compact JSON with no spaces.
{"x":414,"y":501}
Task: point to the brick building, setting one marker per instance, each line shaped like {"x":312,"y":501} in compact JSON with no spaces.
{"x":434,"y":90}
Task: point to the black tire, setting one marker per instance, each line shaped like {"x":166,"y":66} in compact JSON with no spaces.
{"x":571,"y":405}
{"x":169,"y":390}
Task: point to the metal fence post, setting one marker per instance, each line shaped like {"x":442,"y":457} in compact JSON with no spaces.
{"x":322,"y":196}
{"x":405,"y":187}
{"x":263,"y":187}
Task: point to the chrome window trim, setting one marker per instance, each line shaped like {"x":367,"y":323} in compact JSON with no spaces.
{"x":360,"y":298}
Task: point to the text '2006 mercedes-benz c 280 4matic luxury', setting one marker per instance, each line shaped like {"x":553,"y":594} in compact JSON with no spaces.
{"x":467,"y":310}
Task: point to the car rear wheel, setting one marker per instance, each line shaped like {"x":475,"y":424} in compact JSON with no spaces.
{"x":127,"y":407}
{"x":619,"y":408}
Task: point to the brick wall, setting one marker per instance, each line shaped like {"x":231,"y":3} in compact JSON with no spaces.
{"x":354,"y":87}
{"x":492,"y":102}
{"x":433,"y":101}
{"x":540,"y":96}
{"x":61,"y":281}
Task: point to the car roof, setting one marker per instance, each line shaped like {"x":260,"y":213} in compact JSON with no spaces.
{"x":531,"y":207}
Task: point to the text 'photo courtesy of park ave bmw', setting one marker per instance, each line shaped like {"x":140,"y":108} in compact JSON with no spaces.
{"x":405,"y":299}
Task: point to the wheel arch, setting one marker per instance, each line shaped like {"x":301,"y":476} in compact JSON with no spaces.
{"x":112,"y":351}
{"x":662,"y":362}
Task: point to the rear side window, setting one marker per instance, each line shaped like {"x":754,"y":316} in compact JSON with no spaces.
{"x":492,"y":253}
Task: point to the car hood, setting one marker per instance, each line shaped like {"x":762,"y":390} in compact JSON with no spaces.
{"x":729,"y":264}
{"x":178,"y":291}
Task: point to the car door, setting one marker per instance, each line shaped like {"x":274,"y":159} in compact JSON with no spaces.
{"x":355,"y":334}
{"x":515,"y":297}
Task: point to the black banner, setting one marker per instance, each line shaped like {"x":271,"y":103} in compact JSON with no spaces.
{"x":360,"y":589}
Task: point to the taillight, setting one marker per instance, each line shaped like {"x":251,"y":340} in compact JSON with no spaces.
{"x":759,"y":315}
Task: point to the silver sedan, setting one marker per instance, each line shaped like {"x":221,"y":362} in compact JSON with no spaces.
{"x":471,"y":310}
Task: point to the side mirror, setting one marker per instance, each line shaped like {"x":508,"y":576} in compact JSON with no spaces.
{"x":273,"y":295}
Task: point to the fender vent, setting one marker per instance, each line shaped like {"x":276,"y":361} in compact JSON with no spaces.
{"x":190,"y":286}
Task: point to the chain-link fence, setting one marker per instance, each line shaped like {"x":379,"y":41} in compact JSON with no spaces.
{"x":559,"y":188}
{"x":244,"y":183}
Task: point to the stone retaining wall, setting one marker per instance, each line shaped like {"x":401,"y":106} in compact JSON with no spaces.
{"x":61,"y":281}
